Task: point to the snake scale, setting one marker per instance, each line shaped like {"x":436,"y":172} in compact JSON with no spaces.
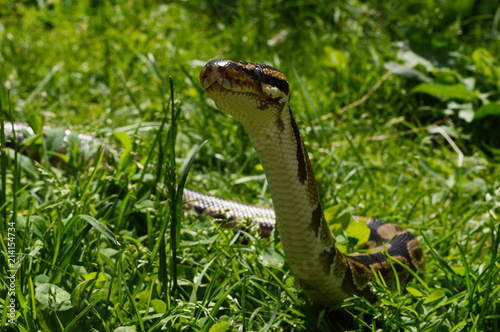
{"x":258,"y":96}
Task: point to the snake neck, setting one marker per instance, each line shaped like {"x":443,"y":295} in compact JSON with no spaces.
{"x":307,"y":240}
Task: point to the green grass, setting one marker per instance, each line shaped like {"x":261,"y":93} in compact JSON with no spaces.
{"x":95,"y":240}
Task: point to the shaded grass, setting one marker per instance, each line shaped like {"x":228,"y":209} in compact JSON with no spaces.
{"x":101,"y":67}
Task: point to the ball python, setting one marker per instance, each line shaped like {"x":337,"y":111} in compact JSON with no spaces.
{"x":258,"y":96}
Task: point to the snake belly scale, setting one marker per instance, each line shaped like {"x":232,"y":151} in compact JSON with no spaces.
{"x":258,"y":96}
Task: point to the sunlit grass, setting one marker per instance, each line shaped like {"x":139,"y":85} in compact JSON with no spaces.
{"x":94,"y":239}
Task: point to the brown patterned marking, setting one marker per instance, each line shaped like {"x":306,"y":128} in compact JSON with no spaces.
{"x":379,"y":248}
{"x":305,"y":171}
{"x":302,"y":171}
{"x":416,"y":257}
{"x":275,"y":103}
{"x":280,"y":124}
{"x":326,"y":258}
{"x":311,"y":190}
{"x":388,"y":231}
{"x":362,"y":274}
{"x":318,"y":224}
{"x":403,"y":275}
{"x":416,"y":254}
{"x":399,"y":228}
{"x":340,"y":264}
{"x":316,"y":219}
{"x":386,"y":269}
{"x":415,"y":250}
{"x":397,"y":266}
{"x":379,"y":266}
{"x":326,"y":236}
{"x":349,"y":287}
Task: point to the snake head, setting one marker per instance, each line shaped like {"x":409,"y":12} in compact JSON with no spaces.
{"x":250,"y":92}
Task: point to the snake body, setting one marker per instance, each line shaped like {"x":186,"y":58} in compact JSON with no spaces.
{"x":258,"y":96}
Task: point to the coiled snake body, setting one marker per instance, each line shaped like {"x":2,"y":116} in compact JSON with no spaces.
{"x":257,"y":95}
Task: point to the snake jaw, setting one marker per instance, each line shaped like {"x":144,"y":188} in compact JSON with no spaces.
{"x":241,"y":88}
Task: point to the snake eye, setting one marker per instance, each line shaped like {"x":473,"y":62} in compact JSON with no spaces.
{"x":259,"y":73}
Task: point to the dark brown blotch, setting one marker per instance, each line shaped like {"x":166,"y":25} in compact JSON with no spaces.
{"x":349,"y":287}
{"x":266,"y":104}
{"x":316,"y":219}
{"x":417,"y":254}
{"x":280,"y":124}
{"x":302,"y":168}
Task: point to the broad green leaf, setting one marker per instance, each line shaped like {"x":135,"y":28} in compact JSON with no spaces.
{"x":109,"y":252}
{"x":26,"y":163}
{"x":127,"y":162}
{"x":359,"y":230}
{"x":159,"y":306}
{"x":460,"y":270}
{"x":100,"y":282}
{"x":445,"y":92}
{"x":53,"y":297}
{"x":124,"y":138}
{"x":220,"y":327}
{"x":340,"y":221}
{"x":490,"y":109}
{"x":447,"y":77}
{"x":55,"y":138}
{"x":41,"y":279}
{"x":338,"y":218}
{"x":437,"y":295}
{"x":388,"y":303}
{"x":484,"y":62}
{"x":61,"y":156}
{"x":415,"y":292}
